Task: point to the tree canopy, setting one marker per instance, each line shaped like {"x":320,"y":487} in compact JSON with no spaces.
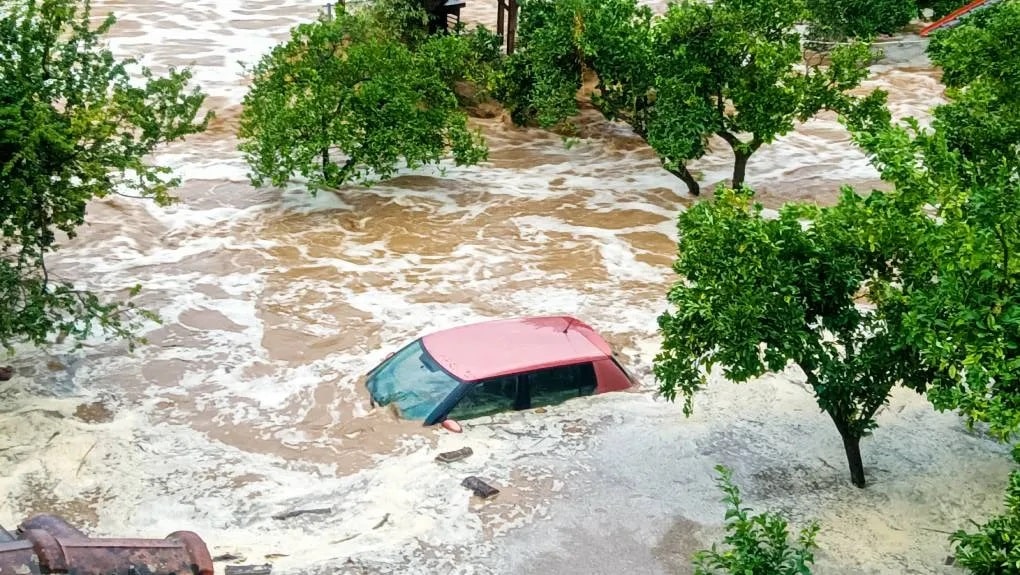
{"x":836,"y":20}
{"x":732,"y":69}
{"x":344,"y":100}
{"x":756,"y":293}
{"x":961,"y":288}
{"x":74,"y":126}
{"x":916,"y":287}
{"x":981,"y":72}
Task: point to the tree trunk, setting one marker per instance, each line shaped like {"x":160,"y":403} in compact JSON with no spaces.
{"x":739,"y":168}
{"x":684,"y":174}
{"x":852,"y":445}
{"x":851,"y":442}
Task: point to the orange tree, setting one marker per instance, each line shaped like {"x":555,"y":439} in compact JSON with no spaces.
{"x":729,"y":68}
{"x":345,"y":100}
{"x":74,"y":126}
{"x":917,"y":287}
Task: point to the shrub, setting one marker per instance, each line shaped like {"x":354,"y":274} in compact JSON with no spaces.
{"x":837,"y":20}
{"x":758,"y":544}
{"x":995,"y":547}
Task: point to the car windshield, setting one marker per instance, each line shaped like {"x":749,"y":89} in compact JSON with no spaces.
{"x":412,"y":381}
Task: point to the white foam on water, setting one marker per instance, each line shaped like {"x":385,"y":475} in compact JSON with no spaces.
{"x":617,"y":256}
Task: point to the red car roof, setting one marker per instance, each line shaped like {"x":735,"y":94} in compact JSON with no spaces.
{"x":502,"y":347}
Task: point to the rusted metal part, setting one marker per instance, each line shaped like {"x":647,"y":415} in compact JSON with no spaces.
{"x":51,"y":524}
{"x":198,"y":552}
{"x":47,"y":544}
{"x":18,"y":558}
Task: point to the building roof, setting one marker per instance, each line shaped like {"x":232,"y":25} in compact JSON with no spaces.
{"x":501,"y":347}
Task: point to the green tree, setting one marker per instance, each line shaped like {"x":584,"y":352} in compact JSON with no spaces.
{"x":960,"y":284}
{"x":981,"y":70}
{"x":74,"y":126}
{"x":404,"y":20}
{"x":727,"y":68}
{"x":995,"y":547}
{"x":836,"y":20}
{"x":758,"y":544}
{"x":960,"y":288}
{"x":343,"y":100}
{"x":541,"y":79}
{"x":756,"y":293}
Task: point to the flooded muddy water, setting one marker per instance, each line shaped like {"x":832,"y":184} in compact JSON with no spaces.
{"x":246,"y":403}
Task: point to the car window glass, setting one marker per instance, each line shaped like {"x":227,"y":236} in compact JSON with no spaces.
{"x":486,"y":397}
{"x":535,"y":389}
{"x":558,"y":384}
{"x":412,"y":381}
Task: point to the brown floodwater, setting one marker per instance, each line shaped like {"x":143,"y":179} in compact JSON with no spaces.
{"x":274,"y":302}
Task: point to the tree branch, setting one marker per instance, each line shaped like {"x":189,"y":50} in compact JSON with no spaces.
{"x":730,"y":138}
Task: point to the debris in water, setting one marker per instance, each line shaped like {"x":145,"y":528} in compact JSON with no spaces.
{"x":950,"y":560}
{"x":6,"y":373}
{"x":451,"y":456}
{"x":296,"y":512}
{"x":95,"y":412}
{"x":481,"y":488}
{"x":84,"y":457}
{"x":383,"y":522}
{"x":248,"y":569}
{"x":227,"y":557}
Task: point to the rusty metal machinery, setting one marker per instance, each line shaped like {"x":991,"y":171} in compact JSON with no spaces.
{"x":45,"y":544}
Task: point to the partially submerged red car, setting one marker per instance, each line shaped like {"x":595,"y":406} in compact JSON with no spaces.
{"x":493,"y":366}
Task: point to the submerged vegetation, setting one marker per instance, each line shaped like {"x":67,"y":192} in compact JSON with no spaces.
{"x":344,"y":100}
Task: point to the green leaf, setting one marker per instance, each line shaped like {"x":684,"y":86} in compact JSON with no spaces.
{"x":344,"y":101}
{"x":728,"y":68}
{"x":74,"y":126}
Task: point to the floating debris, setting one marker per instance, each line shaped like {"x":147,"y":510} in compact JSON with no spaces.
{"x":481,"y":488}
{"x":227,"y":557}
{"x":451,"y":456}
{"x":248,"y":569}
{"x":296,"y":512}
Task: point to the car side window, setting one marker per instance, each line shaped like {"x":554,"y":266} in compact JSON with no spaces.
{"x":487,"y":397}
{"x":516,"y":392}
{"x":558,"y":384}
